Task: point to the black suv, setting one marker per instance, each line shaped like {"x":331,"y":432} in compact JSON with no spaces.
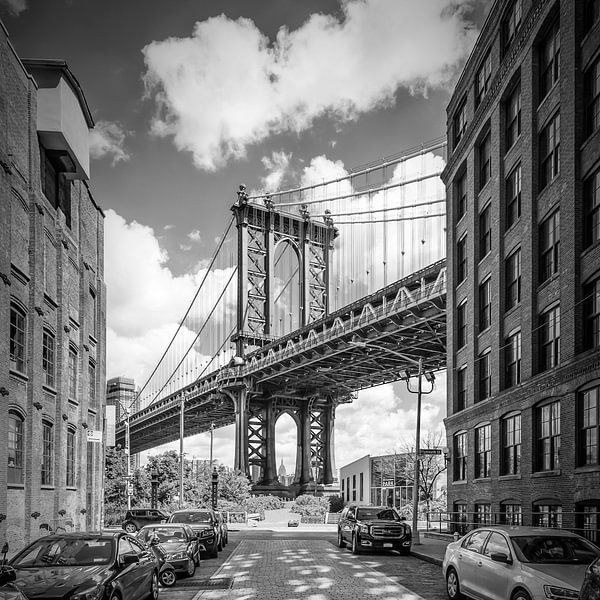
{"x":205,"y":524}
{"x":136,"y":518}
{"x":373,"y":527}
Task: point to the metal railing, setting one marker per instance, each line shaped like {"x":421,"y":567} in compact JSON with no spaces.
{"x":582,"y":523}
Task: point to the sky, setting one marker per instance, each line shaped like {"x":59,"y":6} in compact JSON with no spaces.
{"x":193,"y":97}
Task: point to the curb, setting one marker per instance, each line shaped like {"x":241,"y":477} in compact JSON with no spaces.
{"x":430,"y":559}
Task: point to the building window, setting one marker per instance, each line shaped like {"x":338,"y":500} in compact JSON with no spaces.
{"x":47,"y":452}
{"x":348,"y":488}
{"x":483,"y":78}
{"x":72,"y":373}
{"x":513,"y":197}
{"x":485,"y":232}
{"x":550,"y":338}
{"x":549,"y":60}
{"x":588,"y":520}
{"x":592,"y":209}
{"x":483,"y":451}
{"x":549,"y":246}
{"x":354,"y":488}
{"x":460,"y":190}
{"x":93,"y":323}
{"x":589,"y":426}
{"x":362,"y":487}
{"x":461,"y":325}
{"x":17,"y":339}
{"x":548,"y":437}
{"x":485,"y":161}
{"x":512,"y":360}
{"x":483,"y":514}
{"x":459,"y":123}
{"x":512,"y":514}
{"x":460,"y":456}
{"x":461,"y":518}
{"x":550,"y":151}
{"x":485,"y":305}
{"x":513,"y":279}
{"x":513,"y":117}
{"x":15,"y":449}
{"x":92,"y":378}
{"x":511,"y":24}
{"x":485,"y":375}
{"x":461,"y":388}
{"x":55,"y":186}
{"x":547,"y":515}
{"x":461,"y":259}
{"x":591,"y":310}
{"x":48,"y":358}
{"x":592,"y":98}
{"x":70,"y":458}
{"x":511,"y":445}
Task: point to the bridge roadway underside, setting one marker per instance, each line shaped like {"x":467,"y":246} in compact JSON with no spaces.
{"x":369,"y":343}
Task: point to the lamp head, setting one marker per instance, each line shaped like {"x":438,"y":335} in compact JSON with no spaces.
{"x":430,"y":376}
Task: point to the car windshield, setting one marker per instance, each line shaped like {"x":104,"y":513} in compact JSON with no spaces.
{"x":165,"y":535}
{"x":191,"y":517}
{"x":383,"y":514}
{"x":549,"y":549}
{"x":73,"y":552}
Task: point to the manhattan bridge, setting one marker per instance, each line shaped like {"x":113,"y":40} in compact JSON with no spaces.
{"x":311,"y":295}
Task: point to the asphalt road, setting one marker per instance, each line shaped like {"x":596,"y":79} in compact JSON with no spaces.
{"x":301,"y":565}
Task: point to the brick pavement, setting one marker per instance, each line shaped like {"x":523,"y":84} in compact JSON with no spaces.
{"x":302,"y":570}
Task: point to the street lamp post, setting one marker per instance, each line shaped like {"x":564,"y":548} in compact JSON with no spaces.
{"x":431,"y":378}
{"x":181,"y":433}
{"x":127,"y":458}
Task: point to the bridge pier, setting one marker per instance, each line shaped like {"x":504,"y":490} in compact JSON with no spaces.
{"x":240,"y":403}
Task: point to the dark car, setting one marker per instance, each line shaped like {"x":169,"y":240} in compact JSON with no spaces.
{"x":103,"y":566}
{"x":590,"y":590}
{"x":224,"y":529}
{"x":179,"y":542}
{"x":136,"y":518}
{"x":373,"y":528}
{"x":205,"y":525}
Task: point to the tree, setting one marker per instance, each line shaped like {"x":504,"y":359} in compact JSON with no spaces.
{"x":115,"y":489}
{"x":431,"y":465}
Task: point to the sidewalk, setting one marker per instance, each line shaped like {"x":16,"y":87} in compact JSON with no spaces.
{"x":431,"y":549}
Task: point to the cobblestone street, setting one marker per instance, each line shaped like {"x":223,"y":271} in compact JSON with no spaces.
{"x":307,"y":567}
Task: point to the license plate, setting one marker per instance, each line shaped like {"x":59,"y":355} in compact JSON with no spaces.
{"x":388,"y":545}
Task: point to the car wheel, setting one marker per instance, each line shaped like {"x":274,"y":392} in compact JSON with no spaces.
{"x":341,"y":543}
{"x":404,"y":551}
{"x":168,"y":578}
{"x":453,"y":585}
{"x":191,"y":568}
{"x":520,"y":595}
{"x":355,"y":544}
{"x":153,"y":595}
{"x":130,"y":528}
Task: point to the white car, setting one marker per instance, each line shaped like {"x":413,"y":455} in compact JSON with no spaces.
{"x":517,"y":563}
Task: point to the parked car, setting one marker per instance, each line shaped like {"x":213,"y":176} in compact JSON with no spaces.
{"x":517,"y":563}
{"x":136,"y":518}
{"x":205,"y":525}
{"x":373,"y":528}
{"x":180,"y":543}
{"x":103,"y":566}
{"x":224,"y":529}
{"x":590,"y":590}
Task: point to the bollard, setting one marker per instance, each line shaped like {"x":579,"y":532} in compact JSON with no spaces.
{"x":456,"y":536}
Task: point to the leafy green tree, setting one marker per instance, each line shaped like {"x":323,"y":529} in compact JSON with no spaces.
{"x":309,"y":505}
{"x":115,"y":490}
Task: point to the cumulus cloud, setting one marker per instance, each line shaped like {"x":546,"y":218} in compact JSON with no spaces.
{"x":277,"y":166}
{"x":169,"y":227}
{"x":195,"y":236}
{"x":228,"y":86}
{"x":107,"y":139}
{"x":15,"y":7}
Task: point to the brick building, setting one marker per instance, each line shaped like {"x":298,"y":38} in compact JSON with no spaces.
{"x":523,"y":190}
{"x":52,"y":303}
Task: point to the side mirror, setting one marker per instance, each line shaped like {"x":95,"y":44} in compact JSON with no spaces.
{"x":501,"y":558}
{"x":129,"y":559}
{"x":7,"y":574}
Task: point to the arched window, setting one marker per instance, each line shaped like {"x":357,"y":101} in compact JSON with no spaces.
{"x":16,"y":463}
{"x":547,"y":436}
{"x":483,"y":451}
{"x":70,"y":471}
{"x":47,"y":452}
{"x":49,"y":358}
{"x":460,"y":456}
{"x":588,"y":425}
{"x":511,"y":444}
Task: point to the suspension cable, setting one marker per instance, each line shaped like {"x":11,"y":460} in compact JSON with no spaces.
{"x":388,"y":209}
{"x":187,"y":312}
{"x":391,"y":220}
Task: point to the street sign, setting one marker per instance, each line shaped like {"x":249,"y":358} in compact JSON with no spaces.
{"x":425,"y":451}
{"x":94,"y":436}
{"x":130,"y":489}
{"x":387,"y":483}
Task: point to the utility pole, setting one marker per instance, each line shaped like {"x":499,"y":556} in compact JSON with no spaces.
{"x":212,"y":428}
{"x":415,"y":524}
{"x":128,"y":459}
{"x":181,"y":433}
